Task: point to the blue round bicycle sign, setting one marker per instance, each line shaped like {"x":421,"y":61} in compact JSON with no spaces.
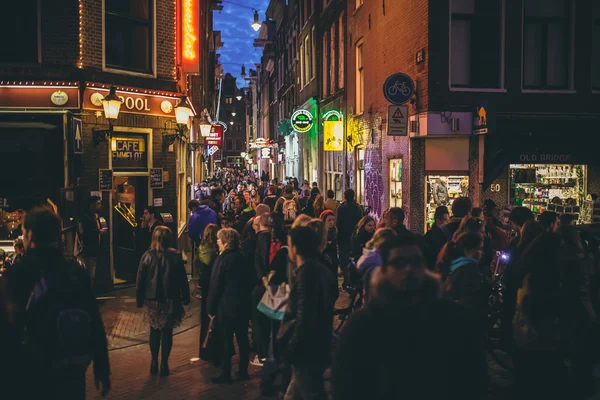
{"x":398,"y":88}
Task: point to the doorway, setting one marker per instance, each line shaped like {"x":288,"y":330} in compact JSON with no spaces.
{"x":130,"y":196}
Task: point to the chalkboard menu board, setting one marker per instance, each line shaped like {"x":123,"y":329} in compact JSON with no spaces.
{"x":105,"y":180}
{"x":156,"y":178}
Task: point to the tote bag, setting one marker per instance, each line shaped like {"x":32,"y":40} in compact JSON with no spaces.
{"x":274,"y":303}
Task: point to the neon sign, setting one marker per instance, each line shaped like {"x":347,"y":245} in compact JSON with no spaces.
{"x":189,"y":31}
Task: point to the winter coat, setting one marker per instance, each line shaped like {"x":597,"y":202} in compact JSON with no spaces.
{"x":231,"y":283}
{"x":312,"y":298}
{"x":199,"y":219}
{"x":370,"y":260}
{"x":433,"y":338}
{"x":331,"y":251}
{"x":348,"y":216}
{"x":466,"y":285}
{"x":261,"y":256}
{"x":243,"y":219}
{"x":89,"y":234}
{"x":359,"y":242}
{"x":331,"y":204}
{"x":271,"y":201}
{"x":162,"y":277}
{"x":434,"y":241}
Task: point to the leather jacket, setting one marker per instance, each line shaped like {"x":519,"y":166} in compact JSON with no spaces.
{"x":162,"y":277}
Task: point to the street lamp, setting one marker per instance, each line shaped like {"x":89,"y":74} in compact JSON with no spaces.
{"x":183,"y":112}
{"x":111,"y":105}
{"x":205,"y":124}
{"x":238,"y":97}
{"x":233,"y":114}
{"x":256,"y":24}
{"x":231,"y":123}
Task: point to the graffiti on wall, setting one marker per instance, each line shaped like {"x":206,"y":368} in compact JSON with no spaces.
{"x":373,"y":181}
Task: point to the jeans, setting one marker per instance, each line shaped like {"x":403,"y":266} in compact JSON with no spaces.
{"x":307,"y":384}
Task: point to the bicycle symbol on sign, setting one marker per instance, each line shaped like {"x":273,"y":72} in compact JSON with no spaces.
{"x":399,"y":87}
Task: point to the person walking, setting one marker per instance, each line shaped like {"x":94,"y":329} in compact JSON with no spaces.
{"x":162,"y":287}
{"x":207,"y":254}
{"x":331,"y":248}
{"x":311,"y":307}
{"x":331,"y":203}
{"x":348,"y":216}
{"x":200,"y":217}
{"x":271,"y":198}
{"x":89,"y":231}
{"x":56,"y":315}
{"x":228,"y":303}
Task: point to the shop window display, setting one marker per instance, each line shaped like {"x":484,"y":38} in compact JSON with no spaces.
{"x":548,"y":187}
{"x":396,"y":183}
{"x":442,"y":190}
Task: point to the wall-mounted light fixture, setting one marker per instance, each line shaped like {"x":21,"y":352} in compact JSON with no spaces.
{"x":112,"y":105}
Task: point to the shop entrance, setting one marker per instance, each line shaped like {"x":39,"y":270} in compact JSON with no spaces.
{"x":395,"y":182}
{"x":130,"y":196}
{"x":360,"y":175}
{"x":442,"y":190}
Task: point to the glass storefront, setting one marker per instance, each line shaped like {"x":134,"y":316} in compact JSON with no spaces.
{"x":395,"y":182}
{"x":441,"y":190}
{"x":549,"y":187}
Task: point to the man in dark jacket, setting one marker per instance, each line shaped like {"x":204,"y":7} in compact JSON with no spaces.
{"x":348,"y":215}
{"x":260,"y":322}
{"x":47,"y":292}
{"x":271,"y":199}
{"x":228,"y":302}
{"x":149,"y":223}
{"x":461,"y":207}
{"x":201,"y":216}
{"x":311,"y":304}
{"x":406,"y":309}
{"x":437,"y":236}
{"x":89,"y":231}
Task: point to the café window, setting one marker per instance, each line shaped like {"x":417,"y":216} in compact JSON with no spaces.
{"x":128,"y":31}
{"x":476,"y":40}
{"x":547,"y":44}
{"x":21,"y":33}
{"x":129,"y":152}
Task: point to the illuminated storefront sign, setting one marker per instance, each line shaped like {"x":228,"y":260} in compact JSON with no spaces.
{"x":128,"y":151}
{"x":135,"y":103}
{"x":215,"y":138}
{"x":189,"y":30}
{"x":265,"y":152}
{"x":302,"y":121}
{"x":333,"y":131}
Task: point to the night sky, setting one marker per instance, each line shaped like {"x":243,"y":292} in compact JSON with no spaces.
{"x":237,"y":34}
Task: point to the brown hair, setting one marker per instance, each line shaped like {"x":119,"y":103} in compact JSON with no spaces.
{"x":319,"y":227}
{"x":363,"y":221}
{"x":210,"y":236}
{"x":162,"y":238}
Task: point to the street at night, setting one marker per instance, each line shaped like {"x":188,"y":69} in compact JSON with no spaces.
{"x":300,"y":199}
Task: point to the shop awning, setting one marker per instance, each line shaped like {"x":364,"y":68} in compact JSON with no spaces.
{"x":528,"y":141}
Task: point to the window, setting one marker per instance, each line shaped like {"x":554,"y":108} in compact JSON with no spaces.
{"x":313,"y":64}
{"x":359,"y":3}
{"x":546,"y":44}
{"x":228,"y":144}
{"x":128,"y":33}
{"x":341,"y":50}
{"x":238,"y":145}
{"x":20,"y":31}
{"x":332,"y":69}
{"x":325,"y":65}
{"x":229,"y":100}
{"x":301,"y":66}
{"x":360,"y":79}
{"x":476,"y":44}
{"x":307,"y":61}
{"x":596,"y":48}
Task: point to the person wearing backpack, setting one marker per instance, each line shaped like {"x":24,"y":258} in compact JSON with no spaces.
{"x":61,"y":330}
{"x":288,"y":204}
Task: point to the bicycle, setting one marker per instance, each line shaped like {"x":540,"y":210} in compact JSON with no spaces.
{"x":402,"y":88}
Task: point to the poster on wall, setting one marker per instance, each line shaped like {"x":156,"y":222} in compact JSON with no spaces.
{"x":333,"y":135}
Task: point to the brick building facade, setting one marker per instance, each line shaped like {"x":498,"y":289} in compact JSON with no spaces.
{"x":51,"y":80}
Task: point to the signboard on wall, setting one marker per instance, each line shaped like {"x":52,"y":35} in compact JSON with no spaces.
{"x":129,"y":151}
{"x":156,"y":178}
{"x":105,"y":180}
{"x":480,"y":118}
{"x":397,"y":120}
{"x":215,"y":137}
{"x":302,"y":121}
{"x":136,"y":103}
{"x":265,"y":153}
{"x":333,"y":135}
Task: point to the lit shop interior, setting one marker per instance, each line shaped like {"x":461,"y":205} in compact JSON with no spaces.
{"x":551,"y":187}
{"x":395,"y":182}
{"x":442,"y":190}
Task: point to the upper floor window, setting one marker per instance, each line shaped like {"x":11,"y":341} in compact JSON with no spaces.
{"x":476,"y":55}
{"x":313,"y":55}
{"x":324,"y":68}
{"x":360,"y":79}
{"x":128,"y":31}
{"x":596,"y":48}
{"x":20,"y":30}
{"x":547,"y":44}
{"x":358,"y":3}
{"x":341,"y":51}
{"x":228,"y":100}
{"x":302,"y":67}
{"x":307,"y":60}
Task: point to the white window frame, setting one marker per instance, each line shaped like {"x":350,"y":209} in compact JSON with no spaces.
{"x":307,"y":60}
{"x":154,"y":47}
{"x":360,"y":78}
{"x":313,"y":55}
{"x":502,"y":88}
{"x":301,"y":66}
{"x":571,"y":66}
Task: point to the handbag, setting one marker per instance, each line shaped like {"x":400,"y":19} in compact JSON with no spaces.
{"x":274,"y":302}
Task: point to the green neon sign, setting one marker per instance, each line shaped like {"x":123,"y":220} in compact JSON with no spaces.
{"x":302,"y":121}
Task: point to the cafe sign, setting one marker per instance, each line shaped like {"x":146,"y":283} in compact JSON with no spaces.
{"x":302,"y":121}
{"x":129,"y":151}
{"x":135,"y":103}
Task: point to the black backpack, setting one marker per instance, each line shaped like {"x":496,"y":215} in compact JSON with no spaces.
{"x":59,"y":325}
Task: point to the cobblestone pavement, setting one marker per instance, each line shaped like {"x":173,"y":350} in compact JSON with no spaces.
{"x":126,"y":325}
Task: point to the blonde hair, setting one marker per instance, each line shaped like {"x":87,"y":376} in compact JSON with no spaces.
{"x":209,"y":238}
{"x":229,"y":237}
{"x":162,"y":237}
{"x":380,"y":237}
{"x":301,"y":220}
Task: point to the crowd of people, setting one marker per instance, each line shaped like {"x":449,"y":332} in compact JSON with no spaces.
{"x":271,"y":261}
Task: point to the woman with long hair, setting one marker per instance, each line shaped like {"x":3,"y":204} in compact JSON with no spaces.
{"x":318,"y":206}
{"x":207,"y":254}
{"x":365,"y":229}
{"x":162,"y":287}
{"x":331,"y":248}
{"x":371,"y":257}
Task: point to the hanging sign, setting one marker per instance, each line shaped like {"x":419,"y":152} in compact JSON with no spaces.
{"x":333,"y":136}
{"x":397,"y":120}
{"x":215,"y":137}
{"x":302,"y":121}
{"x":480,"y":118}
{"x":265,"y":152}
{"x":156,"y":178}
{"x":105,"y":180}
{"x":398,"y":88}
